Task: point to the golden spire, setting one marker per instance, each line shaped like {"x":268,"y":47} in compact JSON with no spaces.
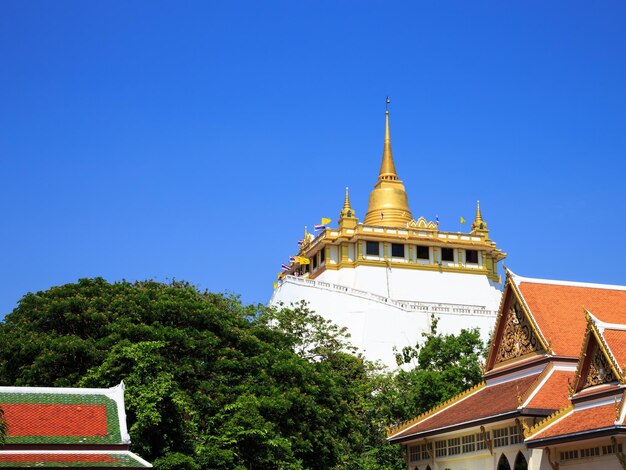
{"x":347,"y":217}
{"x":387,"y":167}
{"x":479,"y":224}
{"x":347,"y":208}
{"x":388,"y":204}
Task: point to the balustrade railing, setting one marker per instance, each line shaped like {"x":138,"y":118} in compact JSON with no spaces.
{"x":406,"y":305}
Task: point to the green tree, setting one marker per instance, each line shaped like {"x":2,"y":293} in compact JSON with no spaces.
{"x":210,"y":383}
{"x":213,"y":384}
{"x":443,"y":366}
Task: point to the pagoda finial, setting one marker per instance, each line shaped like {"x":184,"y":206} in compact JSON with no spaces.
{"x":347,"y":217}
{"x":388,"y":205}
{"x":479,"y":224}
{"x":346,"y":201}
{"x":347,"y":208}
{"x":387,"y":167}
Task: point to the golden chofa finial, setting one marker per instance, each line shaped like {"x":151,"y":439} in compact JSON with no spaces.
{"x":479,"y":224}
{"x":388,"y":204}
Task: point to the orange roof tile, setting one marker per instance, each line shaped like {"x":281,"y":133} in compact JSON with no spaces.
{"x":25,"y":419}
{"x":488,"y":401}
{"x":588,"y":419}
{"x":616,"y":340}
{"x":553,"y":394}
{"x":558,"y":311}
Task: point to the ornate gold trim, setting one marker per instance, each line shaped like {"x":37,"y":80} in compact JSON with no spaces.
{"x":407,"y":424}
{"x":592,"y":332}
{"x":541,"y":425}
{"x":511,"y":293}
{"x":622,"y":404}
{"x":547,"y":346}
{"x":503,"y":298}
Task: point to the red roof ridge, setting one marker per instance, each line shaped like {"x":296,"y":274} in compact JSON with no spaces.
{"x":434,"y":410}
{"x":541,"y":425}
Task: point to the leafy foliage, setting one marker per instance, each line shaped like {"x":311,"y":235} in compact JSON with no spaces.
{"x":213,"y":384}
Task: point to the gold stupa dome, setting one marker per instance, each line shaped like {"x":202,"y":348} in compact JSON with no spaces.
{"x":388,"y":204}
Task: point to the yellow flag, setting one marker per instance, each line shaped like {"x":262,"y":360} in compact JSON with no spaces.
{"x":326,"y":221}
{"x":303,"y":260}
{"x":462,"y":220}
{"x":275,"y":284}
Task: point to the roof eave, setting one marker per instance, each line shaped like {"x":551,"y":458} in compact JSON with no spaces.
{"x":576,"y":436}
{"x":454,"y":427}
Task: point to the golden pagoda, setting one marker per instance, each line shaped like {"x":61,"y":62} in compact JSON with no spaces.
{"x":396,"y":261}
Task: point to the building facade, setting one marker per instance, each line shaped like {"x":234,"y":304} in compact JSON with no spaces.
{"x":384,"y":278}
{"x":552,"y":395}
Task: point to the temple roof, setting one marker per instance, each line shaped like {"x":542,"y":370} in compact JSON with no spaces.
{"x":49,"y":459}
{"x":596,"y":401}
{"x":66,"y":427}
{"x":470,"y":408}
{"x":553,"y":392}
{"x":571,"y":421}
{"x":539,"y":322}
{"x":557,"y":308}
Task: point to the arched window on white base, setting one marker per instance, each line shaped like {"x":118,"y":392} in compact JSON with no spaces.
{"x":503,"y":463}
{"x":520,"y":462}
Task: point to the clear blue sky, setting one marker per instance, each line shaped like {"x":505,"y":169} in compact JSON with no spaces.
{"x":194,"y":140}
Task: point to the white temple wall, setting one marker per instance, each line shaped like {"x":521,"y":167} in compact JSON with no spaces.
{"x":375,"y":327}
{"x":413,"y":284}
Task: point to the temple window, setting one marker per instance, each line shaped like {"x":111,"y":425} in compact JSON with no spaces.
{"x":441,"y":449}
{"x":501,"y":437}
{"x":414,"y":453}
{"x":447,"y":254}
{"x":372,"y":248}
{"x":454,"y":446}
{"x":569,"y":455}
{"x":397,"y":250}
{"x":422,"y":252}
{"x":322,"y":256}
{"x":611,"y":449}
{"x":469,"y":444}
{"x":480,"y":440}
{"x":471,"y":256}
{"x":516,"y":434}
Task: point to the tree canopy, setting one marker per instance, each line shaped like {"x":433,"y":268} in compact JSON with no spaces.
{"x":214,"y":384}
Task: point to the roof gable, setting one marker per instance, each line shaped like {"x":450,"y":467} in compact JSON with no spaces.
{"x":558,"y":309}
{"x":516,"y":335}
{"x":596,"y":364}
